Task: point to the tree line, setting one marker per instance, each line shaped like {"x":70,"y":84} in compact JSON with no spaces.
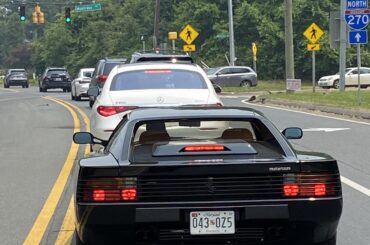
{"x":116,"y":32}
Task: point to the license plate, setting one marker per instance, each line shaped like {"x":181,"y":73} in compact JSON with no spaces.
{"x":58,"y":79}
{"x":212,"y":222}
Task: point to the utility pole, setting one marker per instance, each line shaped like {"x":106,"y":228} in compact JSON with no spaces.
{"x":289,"y":51}
{"x":231,"y":34}
{"x":156,"y":23}
{"x":342,"y":46}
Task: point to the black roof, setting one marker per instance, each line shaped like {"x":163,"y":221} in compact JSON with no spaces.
{"x":158,"y":113}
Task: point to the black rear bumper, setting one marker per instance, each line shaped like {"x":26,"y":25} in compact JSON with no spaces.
{"x":266,"y":222}
{"x":17,"y":82}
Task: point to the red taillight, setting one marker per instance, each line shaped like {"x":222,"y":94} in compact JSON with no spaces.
{"x":107,"y":111}
{"x":320,"y":190}
{"x":129,"y":194}
{"x":158,"y":71}
{"x":108,"y":190}
{"x":193,"y":148}
{"x":98,"y":195}
{"x":291,"y":190}
{"x":102,"y":78}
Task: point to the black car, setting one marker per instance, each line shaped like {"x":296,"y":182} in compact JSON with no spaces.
{"x":101,"y":72}
{"x":138,"y":57}
{"x":55,"y":77}
{"x":16,"y":77}
{"x":195,"y":175}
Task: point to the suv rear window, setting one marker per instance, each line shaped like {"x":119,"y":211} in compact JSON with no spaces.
{"x":109,"y":66}
{"x":196,"y":139}
{"x":158,"y":79}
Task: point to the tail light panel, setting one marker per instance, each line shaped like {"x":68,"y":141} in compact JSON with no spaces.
{"x":309,"y":185}
{"x":109,"y":190}
{"x":107,"y":111}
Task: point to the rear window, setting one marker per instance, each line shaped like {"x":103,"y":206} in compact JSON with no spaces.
{"x":158,"y":79}
{"x":202,"y":140}
{"x":57,"y":71}
{"x":109,"y":66}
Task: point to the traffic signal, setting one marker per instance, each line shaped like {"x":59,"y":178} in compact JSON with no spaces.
{"x":38,"y":17}
{"x":22,"y":12}
{"x":68,"y":18}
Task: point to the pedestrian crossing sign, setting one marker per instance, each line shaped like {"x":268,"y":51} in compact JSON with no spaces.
{"x":188,"y":34}
{"x":313,"y":33}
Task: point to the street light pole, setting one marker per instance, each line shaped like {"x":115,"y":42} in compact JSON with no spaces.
{"x":342,"y":46}
{"x":231,"y":33}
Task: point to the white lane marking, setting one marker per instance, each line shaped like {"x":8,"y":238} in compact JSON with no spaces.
{"x":307,"y":113}
{"x":355,"y":186}
{"x":326,"y":130}
{"x":10,"y":90}
{"x":344,"y":180}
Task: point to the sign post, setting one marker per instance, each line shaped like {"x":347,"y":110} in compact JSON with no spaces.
{"x":313,"y":33}
{"x":357,"y":16}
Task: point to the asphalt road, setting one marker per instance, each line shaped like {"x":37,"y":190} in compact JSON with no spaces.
{"x":35,"y":139}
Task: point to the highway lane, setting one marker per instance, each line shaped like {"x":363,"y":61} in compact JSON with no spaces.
{"x":35,"y":137}
{"x":348,"y":145}
{"x":34,"y":127}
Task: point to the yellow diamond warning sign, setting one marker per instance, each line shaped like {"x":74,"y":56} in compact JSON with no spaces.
{"x":313,"y":33}
{"x":188,"y":34}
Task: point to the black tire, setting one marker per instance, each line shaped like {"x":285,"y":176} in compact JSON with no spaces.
{"x":40,"y":89}
{"x":246,"y":84}
{"x":91,"y":103}
{"x":78,"y":98}
{"x":72,"y":97}
{"x":64,"y":90}
{"x":27,"y":85}
{"x":336,"y":84}
{"x":331,"y":241}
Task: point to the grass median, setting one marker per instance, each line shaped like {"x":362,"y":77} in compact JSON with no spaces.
{"x":276,"y":90}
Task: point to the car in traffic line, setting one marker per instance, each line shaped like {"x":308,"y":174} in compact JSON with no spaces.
{"x":242,"y":76}
{"x":162,"y":179}
{"x":101,"y":72}
{"x":55,"y":77}
{"x":131,"y":86}
{"x":81,"y":83}
{"x":16,"y":77}
{"x":351,"y":78}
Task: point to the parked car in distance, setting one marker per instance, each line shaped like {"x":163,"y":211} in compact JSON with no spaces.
{"x":101,"y":72}
{"x":16,"y":77}
{"x":166,"y":57}
{"x":351,"y":78}
{"x":137,"y":85}
{"x":81,"y":83}
{"x":162,"y":179}
{"x":242,"y":76}
{"x":55,"y":77}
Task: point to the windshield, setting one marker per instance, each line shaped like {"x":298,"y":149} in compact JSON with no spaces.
{"x":345,"y":71}
{"x":158,"y":79}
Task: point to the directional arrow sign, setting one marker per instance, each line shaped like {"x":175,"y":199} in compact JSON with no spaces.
{"x":357,"y":37}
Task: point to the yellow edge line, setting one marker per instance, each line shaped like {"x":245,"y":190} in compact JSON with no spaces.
{"x":66,"y":231}
{"x":42,"y":221}
{"x":68,"y":226}
{"x":10,"y":90}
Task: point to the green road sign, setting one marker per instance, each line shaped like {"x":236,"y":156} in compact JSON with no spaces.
{"x":88,"y":7}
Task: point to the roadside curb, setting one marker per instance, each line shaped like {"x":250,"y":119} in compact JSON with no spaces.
{"x":363,"y":114}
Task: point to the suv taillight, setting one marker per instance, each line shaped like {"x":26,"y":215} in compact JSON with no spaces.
{"x":108,"y":190}
{"x":107,"y":111}
{"x":102,"y":78}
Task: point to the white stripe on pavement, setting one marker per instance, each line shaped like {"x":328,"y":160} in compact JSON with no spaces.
{"x":355,"y":186}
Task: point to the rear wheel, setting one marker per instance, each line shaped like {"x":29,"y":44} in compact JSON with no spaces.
{"x":64,"y":90}
{"x":336,"y":84}
{"x":78,"y":98}
{"x":91,"y":103}
{"x":246,"y":84}
{"x":331,"y":241}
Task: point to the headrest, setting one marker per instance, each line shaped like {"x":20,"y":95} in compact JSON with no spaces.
{"x":151,"y":137}
{"x":237,"y":133}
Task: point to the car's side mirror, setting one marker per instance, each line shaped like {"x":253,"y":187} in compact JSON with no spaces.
{"x":93,"y":91}
{"x":83,"y":138}
{"x":217,"y":88}
{"x":293,"y":133}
